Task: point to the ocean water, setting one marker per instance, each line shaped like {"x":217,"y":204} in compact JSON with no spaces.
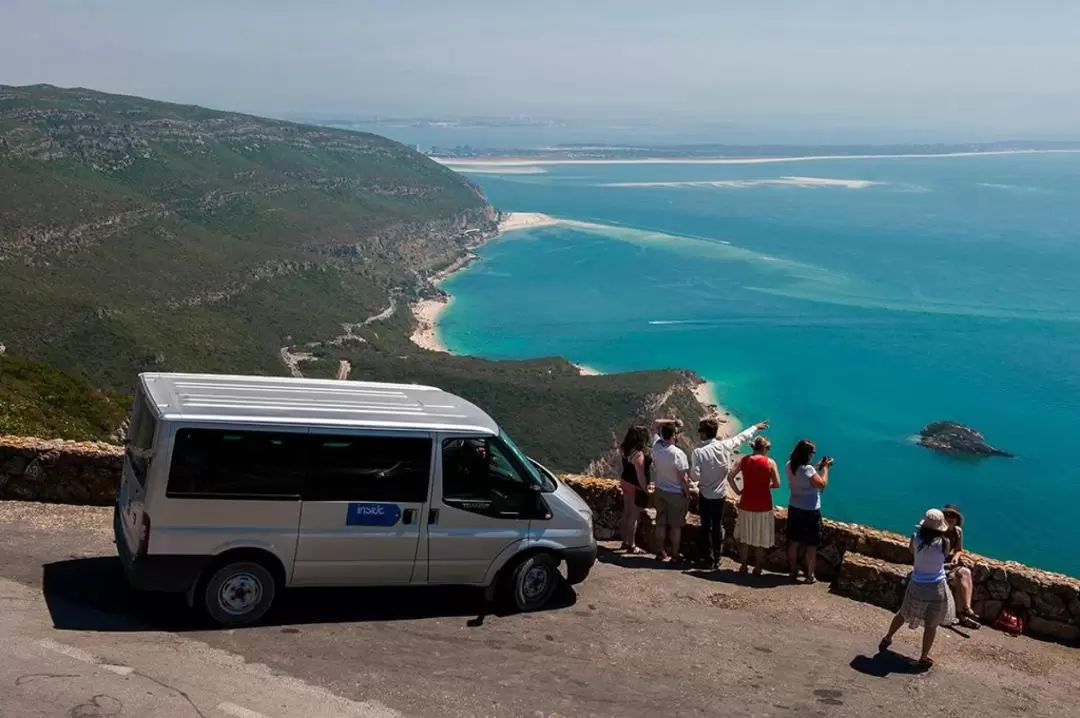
{"x":851,"y":312}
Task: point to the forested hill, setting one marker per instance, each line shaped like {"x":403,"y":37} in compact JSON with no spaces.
{"x":140,"y":235}
{"x":137,"y":234}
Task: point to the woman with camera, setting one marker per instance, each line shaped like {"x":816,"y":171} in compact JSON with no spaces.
{"x":804,"y":508}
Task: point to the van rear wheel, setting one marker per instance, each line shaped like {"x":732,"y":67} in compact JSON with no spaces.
{"x":532,"y":582}
{"x":239,"y":593}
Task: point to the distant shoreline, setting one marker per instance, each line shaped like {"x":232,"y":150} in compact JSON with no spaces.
{"x":427,"y":311}
{"x":525,"y":161}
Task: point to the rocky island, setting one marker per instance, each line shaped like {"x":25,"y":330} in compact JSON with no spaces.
{"x":955,"y":438}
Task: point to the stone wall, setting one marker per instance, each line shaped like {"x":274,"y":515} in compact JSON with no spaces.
{"x":59,"y":471}
{"x":863,"y":563}
{"x":871,"y":565}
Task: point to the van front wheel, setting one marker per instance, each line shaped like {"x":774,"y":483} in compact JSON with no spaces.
{"x":533,"y":581}
{"x":239,"y":593}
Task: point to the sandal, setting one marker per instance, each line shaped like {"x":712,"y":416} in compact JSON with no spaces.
{"x":635,"y":551}
{"x":967,"y":621}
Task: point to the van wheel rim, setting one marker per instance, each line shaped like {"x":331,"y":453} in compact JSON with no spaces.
{"x":239,"y":594}
{"x":534,"y":583}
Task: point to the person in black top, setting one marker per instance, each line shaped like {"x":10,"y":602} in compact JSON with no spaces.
{"x":635,"y":484}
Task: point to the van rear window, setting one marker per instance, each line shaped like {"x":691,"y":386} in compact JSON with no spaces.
{"x":209,"y":463}
{"x":140,"y":438}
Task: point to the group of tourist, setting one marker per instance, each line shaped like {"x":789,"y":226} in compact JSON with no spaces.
{"x":656,"y":471}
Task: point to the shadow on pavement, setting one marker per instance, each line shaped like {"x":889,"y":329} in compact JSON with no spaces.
{"x":749,"y":580}
{"x":883,"y":663}
{"x":92,"y":594}
{"x":645,"y":561}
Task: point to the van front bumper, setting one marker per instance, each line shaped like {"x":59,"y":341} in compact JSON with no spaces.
{"x":172,"y":573}
{"x":579,"y":561}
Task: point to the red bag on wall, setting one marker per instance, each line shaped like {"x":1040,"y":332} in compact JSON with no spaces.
{"x":1009,"y":622}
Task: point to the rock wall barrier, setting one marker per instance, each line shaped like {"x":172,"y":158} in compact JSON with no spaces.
{"x":871,"y":565}
{"x":861,"y":562}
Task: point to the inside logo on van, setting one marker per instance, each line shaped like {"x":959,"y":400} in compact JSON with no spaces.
{"x":373,"y":514}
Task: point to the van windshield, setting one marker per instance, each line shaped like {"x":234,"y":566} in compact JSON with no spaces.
{"x":140,"y":439}
{"x":535,"y":476}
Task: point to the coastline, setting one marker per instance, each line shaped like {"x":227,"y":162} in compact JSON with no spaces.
{"x":426,"y":311}
{"x":705,"y":393}
{"x":493,"y":162}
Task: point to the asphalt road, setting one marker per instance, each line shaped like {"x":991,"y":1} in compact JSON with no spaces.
{"x":635,"y":639}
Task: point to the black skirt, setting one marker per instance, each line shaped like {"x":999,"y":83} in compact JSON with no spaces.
{"x":804,"y":526}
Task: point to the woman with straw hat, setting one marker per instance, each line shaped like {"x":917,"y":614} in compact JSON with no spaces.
{"x":926,"y":599}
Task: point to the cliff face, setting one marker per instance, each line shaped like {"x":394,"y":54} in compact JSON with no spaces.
{"x":137,"y":234}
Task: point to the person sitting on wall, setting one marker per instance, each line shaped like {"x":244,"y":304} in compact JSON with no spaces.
{"x":958,"y":574}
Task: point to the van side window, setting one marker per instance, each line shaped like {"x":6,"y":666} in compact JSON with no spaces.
{"x":223,"y":464}
{"x":479,"y":476}
{"x":369,"y":468}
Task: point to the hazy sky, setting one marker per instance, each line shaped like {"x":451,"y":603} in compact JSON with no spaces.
{"x":978,"y":68}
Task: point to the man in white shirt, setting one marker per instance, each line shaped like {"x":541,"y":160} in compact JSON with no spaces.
{"x":672,"y":495}
{"x":711,"y":461}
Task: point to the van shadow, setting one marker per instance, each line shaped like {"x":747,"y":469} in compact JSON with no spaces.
{"x":92,"y":594}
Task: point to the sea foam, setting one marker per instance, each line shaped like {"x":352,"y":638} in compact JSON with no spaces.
{"x":772,"y":182}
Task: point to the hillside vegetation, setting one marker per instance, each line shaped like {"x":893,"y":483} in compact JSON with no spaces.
{"x":40,"y":400}
{"x":138,"y":235}
{"x":147,"y":235}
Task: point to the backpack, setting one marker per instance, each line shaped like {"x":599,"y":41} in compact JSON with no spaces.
{"x":1009,"y":622}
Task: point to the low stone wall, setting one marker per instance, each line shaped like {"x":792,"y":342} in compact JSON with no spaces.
{"x":57,"y":471}
{"x":864,"y":563}
{"x":872,"y":565}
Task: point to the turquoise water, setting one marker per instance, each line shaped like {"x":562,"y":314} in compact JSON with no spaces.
{"x":851,"y":315}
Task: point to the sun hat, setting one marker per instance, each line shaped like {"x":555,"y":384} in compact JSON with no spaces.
{"x":955,"y":511}
{"x":934,"y":520}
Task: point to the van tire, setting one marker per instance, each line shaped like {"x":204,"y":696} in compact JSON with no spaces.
{"x":531,"y":582}
{"x":238,"y":593}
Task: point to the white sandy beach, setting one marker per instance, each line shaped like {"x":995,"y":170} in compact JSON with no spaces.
{"x":525,"y":220}
{"x":427,"y":311}
{"x":705,"y":393}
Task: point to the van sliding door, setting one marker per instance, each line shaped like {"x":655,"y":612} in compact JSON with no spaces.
{"x":363,"y":500}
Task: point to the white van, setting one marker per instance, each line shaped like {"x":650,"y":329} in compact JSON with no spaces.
{"x":235,"y":487}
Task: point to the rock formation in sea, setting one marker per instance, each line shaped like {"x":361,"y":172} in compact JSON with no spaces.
{"x":955,"y":438}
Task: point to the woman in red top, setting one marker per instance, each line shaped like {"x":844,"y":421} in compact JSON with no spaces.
{"x":756,"y":524}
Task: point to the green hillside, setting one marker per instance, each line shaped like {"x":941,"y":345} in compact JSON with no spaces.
{"x":141,"y":235}
{"x":39,"y":400}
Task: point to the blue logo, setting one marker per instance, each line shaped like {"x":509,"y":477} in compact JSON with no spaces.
{"x":373,"y":515}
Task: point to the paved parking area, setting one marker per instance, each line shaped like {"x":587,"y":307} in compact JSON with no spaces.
{"x":636,"y":639}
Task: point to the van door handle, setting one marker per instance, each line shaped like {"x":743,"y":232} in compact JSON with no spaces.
{"x":433,"y":516}
{"x":408,"y":515}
